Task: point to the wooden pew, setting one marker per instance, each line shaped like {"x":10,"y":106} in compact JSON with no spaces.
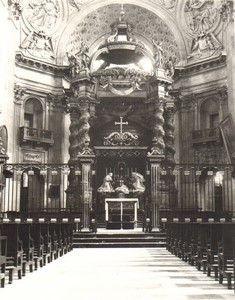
{"x":67,"y":236}
{"x":38,"y":244}
{"x":214,"y":235}
{"x":179,"y":239}
{"x":203,"y":233}
{"x":234,"y":263}
{"x":14,"y":249}
{"x":60,"y":244}
{"x":191,"y":242}
{"x":28,"y":247}
{"x":47,"y":245}
{"x":3,"y":260}
{"x":225,"y":253}
{"x":54,"y":241}
{"x":184,"y":240}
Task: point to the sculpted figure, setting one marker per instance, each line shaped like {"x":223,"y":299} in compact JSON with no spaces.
{"x":113,"y":35}
{"x":107,"y":187}
{"x":170,"y":67}
{"x":137,"y":182}
{"x":82,"y":56}
{"x":122,"y":188}
{"x":158,"y":54}
{"x":73,"y":64}
{"x":44,"y":13}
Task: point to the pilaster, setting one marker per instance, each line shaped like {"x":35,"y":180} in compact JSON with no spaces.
{"x":86,"y":162}
{"x":154,"y":167}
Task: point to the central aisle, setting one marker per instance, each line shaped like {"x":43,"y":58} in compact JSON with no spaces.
{"x":117,"y":274}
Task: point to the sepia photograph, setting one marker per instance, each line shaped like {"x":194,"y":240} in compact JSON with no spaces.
{"x":117,"y":149}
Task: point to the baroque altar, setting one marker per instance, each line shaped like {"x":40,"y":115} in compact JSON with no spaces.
{"x":120,"y":219}
{"x":121,"y":84}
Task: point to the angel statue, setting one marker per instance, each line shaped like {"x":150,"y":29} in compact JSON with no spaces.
{"x":170,"y":67}
{"x":138,"y":182}
{"x":158,"y":54}
{"x":106,"y":187}
{"x":82,"y":56}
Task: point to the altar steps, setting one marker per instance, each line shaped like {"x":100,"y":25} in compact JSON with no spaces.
{"x":119,"y":240}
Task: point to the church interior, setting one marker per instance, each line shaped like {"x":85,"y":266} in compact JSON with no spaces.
{"x":117,"y":131}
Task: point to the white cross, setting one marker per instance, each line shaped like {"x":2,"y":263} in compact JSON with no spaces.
{"x":121,"y":123}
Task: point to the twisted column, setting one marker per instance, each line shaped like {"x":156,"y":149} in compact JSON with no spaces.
{"x":79,"y":133}
{"x":83,"y":130}
{"x":73,"y":138}
{"x":158,"y":146}
{"x":169,"y":135}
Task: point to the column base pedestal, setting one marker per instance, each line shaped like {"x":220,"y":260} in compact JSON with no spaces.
{"x":155,"y":229}
{"x":85,"y":229}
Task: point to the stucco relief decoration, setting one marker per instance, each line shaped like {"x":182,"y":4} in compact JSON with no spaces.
{"x":169,"y":4}
{"x":42,"y":14}
{"x":38,"y":44}
{"x":16,"y":8}
{"x":3,"y":140}
{"x":202,"y":17}
{"x":19,"y":93}
{"x":97,"y":25}
{"x":106,"y":79}
{"x":79,"y":3}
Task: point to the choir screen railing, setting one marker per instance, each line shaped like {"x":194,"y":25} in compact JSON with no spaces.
{"x":38,"y":188}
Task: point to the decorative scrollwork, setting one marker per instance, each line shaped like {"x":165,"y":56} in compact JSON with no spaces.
{"x":121,"y":139}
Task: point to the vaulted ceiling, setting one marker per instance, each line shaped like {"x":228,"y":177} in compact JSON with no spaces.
{"x":177,"y":23}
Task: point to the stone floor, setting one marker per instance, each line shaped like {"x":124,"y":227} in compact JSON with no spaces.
{"x":117,"y":274}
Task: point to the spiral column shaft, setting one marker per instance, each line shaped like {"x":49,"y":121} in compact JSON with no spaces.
{"x":169,"y":136}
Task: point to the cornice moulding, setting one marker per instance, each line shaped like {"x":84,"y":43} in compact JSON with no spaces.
{"x":202,"y":66}
{"x":37,"y":65}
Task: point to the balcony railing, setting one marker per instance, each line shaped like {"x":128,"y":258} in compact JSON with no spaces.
{"x":206,"y":135}
{"x":39,"y":136}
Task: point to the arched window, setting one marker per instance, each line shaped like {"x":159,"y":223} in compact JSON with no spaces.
{"x":209,"y":114}
{"x":33,"y":114}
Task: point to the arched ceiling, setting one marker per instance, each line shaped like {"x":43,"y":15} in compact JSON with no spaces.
{"x":95,"y":27}
{"x":63,"y":24}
